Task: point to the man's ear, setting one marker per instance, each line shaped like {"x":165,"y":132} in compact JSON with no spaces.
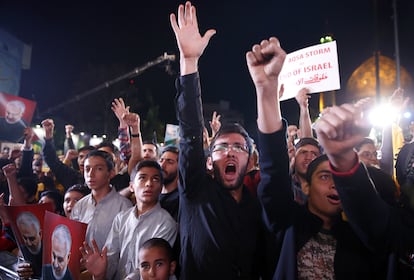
{"x":173,"y":266}
{"x":305,"y":188}
{"x":131,"y":187}
{"x":209,"y":163}
{"x":112,"y":173}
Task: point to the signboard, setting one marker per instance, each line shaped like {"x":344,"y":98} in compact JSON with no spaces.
{"x":315,"y":68}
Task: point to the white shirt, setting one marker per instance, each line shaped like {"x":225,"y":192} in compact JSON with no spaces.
{"x":129,"y":231}
{"x":99,"y":217}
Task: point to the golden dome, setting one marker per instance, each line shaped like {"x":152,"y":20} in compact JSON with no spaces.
{"x":362,"y":82}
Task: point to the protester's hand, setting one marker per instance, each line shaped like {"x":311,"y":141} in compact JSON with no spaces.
{"x":132,"y":120}
{"x":9,"y":170}
{"x":119,"y":109}
{"x":28,"y":135}
{"x":68,"y":130}
{"x":94,"y":260}
{"x":265,"y":62}
{"x":339,"y":130}
{"x":206,"y":138}
{"x":302,"y":97}
{"x":215,"y":123}
{"x":190,"y":42}
{"x":24,"y":270}
{"x":48,"y":126}
{"x":71,"y":154}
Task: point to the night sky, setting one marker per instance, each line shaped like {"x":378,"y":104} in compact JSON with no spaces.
{"x":69,"y":37}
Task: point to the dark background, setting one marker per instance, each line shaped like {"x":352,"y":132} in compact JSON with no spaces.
{"x":79,"y":45}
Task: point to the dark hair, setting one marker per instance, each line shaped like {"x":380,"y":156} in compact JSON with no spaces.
{"x":86,"y":148}
{"x":233,"y":128}
{"x":365,"y":141}
{"x":308,"y":141}
{"x":313,"y":165}
{"x":102,"y":154}
{"x":29,"y":184}
{"x":80,"y":188}
{"x":147,"y":163}
{"x":57,"y":198}
{"x":150,"y":142}
{"x":159,"y":243}
{"x":170,"y":148}
{"x":111,"y":146}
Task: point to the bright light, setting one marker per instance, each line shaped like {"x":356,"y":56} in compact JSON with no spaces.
{"x":407,"y":115}
{"x":104,"y":136}
{"x":383,"y":115}
{"x":95,"y":140}
{"x":82,"y":133}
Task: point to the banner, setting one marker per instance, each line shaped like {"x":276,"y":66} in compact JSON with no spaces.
{"x":16,"y":113}
{"x":27,"y":224}
{"x":61,"y":256}
{"x":315,"y":68}
{"x":172,"y":135}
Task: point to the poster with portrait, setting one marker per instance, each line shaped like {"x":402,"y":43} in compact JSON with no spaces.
{"x":61,"y":256}
{"x":172,"y":135}
{"x":7,"y":147}
{"x":27,"y":223}
{"x":16,"y":113}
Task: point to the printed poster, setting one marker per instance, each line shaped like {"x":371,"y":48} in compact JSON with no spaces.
{"x":16,"y":113}
{"x":315,"y":68}
{"x":61,"y":256}
{"x":172,"y":135}
{"x":27,"y":223}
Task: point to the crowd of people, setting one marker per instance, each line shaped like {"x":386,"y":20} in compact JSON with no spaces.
{"x":311,"y":203}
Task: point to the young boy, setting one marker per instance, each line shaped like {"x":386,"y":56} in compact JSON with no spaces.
{"x":132,"y":228}
{"x":155,"y":261}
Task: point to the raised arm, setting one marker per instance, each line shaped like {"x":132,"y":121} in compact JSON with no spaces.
{"x":120,"y":110}
{"x":338,"y":130}
{"x":189,"y":40}
{"x":133,"y":121}
{"x":16,"y":193}
{"x":66,"y":175}
{"x":188,"y":102}
{"x":305,"y":123}
{"x":265,"y":62}
{"x":26,"y":169}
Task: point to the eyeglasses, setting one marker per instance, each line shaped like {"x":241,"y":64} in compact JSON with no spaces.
{"x":367,"y":154}
{"x":225,"y":147}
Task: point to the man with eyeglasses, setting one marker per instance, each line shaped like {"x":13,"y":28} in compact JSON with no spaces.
{"x":367,"y":152}
{"x":220,"y":221}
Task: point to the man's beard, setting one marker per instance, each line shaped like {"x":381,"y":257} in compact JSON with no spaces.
{"x":59,"y":276}
{"x":36,"y":250}
{"x":169,"y":179}
{"x":219,"y":178}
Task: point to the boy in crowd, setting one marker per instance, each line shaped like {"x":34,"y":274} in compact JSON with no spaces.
{"x":132,"y":228}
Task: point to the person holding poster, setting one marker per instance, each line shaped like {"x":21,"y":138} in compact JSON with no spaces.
{"x":12,"y":124}
{"x":31,"y":234}
{"x":60,"y":255}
